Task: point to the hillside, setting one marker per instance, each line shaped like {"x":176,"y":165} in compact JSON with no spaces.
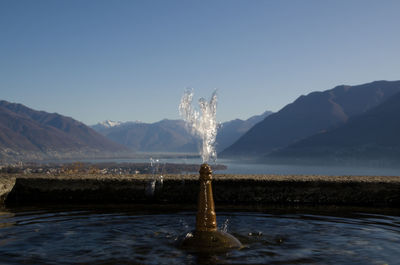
{"x":372,"y":135}
{"x":308,"y":115}
{"x":231,"y":131}
{"x":29,"y":134}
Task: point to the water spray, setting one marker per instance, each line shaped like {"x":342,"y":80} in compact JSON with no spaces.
{"x":203,"y":123}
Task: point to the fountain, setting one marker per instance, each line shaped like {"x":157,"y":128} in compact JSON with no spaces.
{"x":206,"y":237}
{"x":107,"y":219}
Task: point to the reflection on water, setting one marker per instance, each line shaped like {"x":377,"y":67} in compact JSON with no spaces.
{"x":6,"y":219}
{"x":129,"y":236}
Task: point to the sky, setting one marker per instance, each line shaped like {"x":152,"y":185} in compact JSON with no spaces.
{"x":127,"y":60}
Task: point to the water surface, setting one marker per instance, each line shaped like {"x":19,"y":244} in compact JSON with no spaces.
{"x":251,"y":167}
{"x":138,"y":235}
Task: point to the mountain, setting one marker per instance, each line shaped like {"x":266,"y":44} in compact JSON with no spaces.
{"x":107,"y":124}
{"x":308,"y":115}
{"x":29,"y":134}
{"x":372,"y":135}
{"x":171,"y":135}
{"x":230,"y":131}
{"x":162,"y":136}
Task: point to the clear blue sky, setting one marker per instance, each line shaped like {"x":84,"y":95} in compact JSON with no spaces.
{"x":132,"y":60}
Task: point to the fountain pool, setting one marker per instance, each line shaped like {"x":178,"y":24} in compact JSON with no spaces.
{"x":133,"y":234}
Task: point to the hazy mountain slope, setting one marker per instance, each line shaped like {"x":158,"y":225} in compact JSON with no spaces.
{"x":374,"y":134}
{"x":231,"y":131}
{"x":162,"y":136}
{"x":171,"y":135}
{"x":309,"y":115}
{"x":25,"y":130}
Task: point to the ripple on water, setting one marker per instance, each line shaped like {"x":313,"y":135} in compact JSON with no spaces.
{"x":126,"y":236}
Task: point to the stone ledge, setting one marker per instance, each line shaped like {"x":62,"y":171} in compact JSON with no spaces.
{"x":183,"y":189}
{"x":6,"y":185}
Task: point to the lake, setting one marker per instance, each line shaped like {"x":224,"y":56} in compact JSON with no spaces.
{"x":250,"y":167}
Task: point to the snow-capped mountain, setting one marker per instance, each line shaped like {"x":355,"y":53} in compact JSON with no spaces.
{"x":108,"y":124}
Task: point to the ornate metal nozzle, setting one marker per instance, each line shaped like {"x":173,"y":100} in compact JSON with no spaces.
{"x":206,"y":218}
{"x":206,"y":237}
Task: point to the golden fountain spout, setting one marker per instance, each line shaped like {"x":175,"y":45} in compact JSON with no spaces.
{"x":206,"y":237}
{"x":206,"y":219}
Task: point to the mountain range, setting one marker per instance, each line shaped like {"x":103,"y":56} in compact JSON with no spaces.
{"x":344,"y":122}
{"x":162,"y":136}
{"x":309,"y":115}
{"x":30,"y":134}
{"x":171,"y":135}
{"x":374,"y":135}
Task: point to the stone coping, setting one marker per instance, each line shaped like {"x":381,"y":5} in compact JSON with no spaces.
{"x":303,"y":178}
{"x":183,"y":189}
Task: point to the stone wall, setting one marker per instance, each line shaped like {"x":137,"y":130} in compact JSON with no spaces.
{"x":228,"y":190}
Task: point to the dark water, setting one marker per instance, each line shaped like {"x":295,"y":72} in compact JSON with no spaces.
{"x":88,"y":235}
